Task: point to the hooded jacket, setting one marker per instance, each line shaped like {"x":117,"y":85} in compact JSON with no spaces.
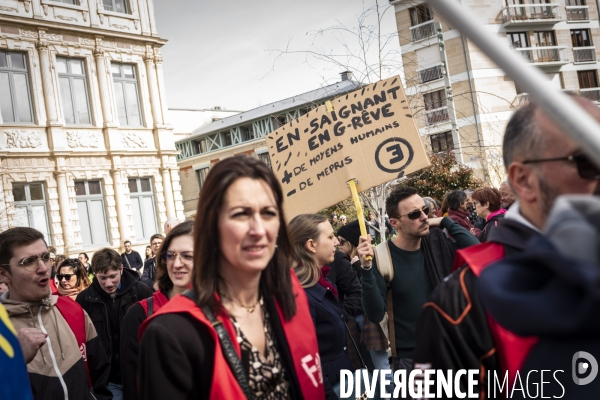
{"x":107,"y":312}
{"x":552,"y":292}
{"x":58,"y":370}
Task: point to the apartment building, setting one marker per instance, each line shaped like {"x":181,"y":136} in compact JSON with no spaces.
{"x":86,"y":154}
{"x":462,"y":99}
{"x":244,"y":133}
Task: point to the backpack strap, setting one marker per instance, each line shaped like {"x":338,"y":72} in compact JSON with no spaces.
{"x":150,"y":307}
{"x":72,"y":312}
{"x":385,"y":267}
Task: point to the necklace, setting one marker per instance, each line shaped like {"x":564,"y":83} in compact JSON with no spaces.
{"x":250,"y":309}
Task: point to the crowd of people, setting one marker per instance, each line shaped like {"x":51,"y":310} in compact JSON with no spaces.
{"x":242,"y":304}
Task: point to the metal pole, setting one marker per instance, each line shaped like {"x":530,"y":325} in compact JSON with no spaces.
{"x":573,"y":120}
{"x":449,"y":96}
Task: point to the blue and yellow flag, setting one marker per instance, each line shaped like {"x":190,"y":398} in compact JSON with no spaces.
{"x":15,"y":381}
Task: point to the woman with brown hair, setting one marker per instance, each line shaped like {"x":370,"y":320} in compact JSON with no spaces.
{"x":314,"y":247}
{"x":72,"y":278}
{"x":488,"y":204}
{"x":174,"y":266}
{"x":245,"y":302}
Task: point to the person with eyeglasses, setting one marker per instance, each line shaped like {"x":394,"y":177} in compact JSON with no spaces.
{"x":421,"y":257}
{"x":174,"y":269}
{"x":72,"y":278}
{"x":114,"y":290}
{"x":64,"y":355}
{"x":542,"y":163}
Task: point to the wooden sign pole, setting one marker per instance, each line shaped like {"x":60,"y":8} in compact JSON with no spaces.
{"x":359,"y":210}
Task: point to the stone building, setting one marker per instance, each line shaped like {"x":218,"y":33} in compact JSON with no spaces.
{"x":464,"y":101}
{"x":244,"y":133}
{"x":86,"y":154}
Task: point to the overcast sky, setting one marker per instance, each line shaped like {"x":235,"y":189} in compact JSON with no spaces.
{"x":219,"y":52}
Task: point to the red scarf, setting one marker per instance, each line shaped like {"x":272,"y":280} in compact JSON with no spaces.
{"x":325,"y":283}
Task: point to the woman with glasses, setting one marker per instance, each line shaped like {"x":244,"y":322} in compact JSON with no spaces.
{"x":314,"y":244}
{"x":173,"y":275}
{"x":244,"y":330}
{"x":72,"y":278}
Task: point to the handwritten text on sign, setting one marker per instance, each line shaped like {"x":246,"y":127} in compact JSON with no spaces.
{"x":369,"y":135}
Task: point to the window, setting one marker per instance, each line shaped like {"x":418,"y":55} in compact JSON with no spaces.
{"x":142,"y":205}
{"x":74,"y":2}
{"x":581,"y":38}
{"x":119,"y":6}
{"x":442,"y":142}
{"x":30,"y":207}
{"x":92,"y":218}
{"x":587,"y":79}
{"x":545,"y":38}
{"x":15,"y":99}
{"x":247,"y":133}
{"x":518,"y":40}
{"x":576,"y":2}
{"x":73,"y":91}
{"x":264,"y":157}
{"x":435,"y":107}
{"x":126,"y":94}
{"x":420,"y":14}
{"x":202,"y":173}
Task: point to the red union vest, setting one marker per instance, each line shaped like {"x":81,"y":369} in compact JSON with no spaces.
{"x":512,"y":349}
{"x":299,"y":332}
{"x":72,"y":312}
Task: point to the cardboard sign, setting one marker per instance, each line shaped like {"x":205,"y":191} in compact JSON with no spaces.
{"x":368,"y":135}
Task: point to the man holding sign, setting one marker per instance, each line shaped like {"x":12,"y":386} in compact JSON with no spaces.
{"x":421,"y":257}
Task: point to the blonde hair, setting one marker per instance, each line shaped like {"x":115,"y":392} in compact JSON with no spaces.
{"x":303,"y":228}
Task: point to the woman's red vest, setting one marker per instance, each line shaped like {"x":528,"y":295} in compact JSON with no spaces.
{"x":299,"y":332}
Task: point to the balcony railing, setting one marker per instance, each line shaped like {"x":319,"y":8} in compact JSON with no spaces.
{"x":577,"y":13}
{"x":522,"y":98}
{"x":437,"y":116}
{"x":530,"y":13}
{"x":554,"y":55}
{"x":584,"y":54}
{"x":592,"y":94}
{"x":422,"y":31}
{"x":431,"y":74}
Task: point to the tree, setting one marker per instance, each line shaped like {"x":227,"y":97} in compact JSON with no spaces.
{"x":442,"y":176}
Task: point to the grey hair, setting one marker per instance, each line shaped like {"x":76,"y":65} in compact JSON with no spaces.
{"x":522,"y":135}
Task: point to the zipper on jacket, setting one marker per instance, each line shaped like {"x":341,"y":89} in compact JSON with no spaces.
{"x":48,"y":342}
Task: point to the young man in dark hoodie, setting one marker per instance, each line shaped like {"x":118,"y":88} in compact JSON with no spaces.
{"x":106,"y":301}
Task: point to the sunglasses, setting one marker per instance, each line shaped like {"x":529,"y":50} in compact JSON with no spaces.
{"x":416,"y":214}
{"x":342,"y":241}
{"x":65,"y":276}
{"x":585,"y":168}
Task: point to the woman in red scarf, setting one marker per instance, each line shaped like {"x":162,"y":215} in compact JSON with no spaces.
{"x":72,"y":278}
{"x":314,"y":244}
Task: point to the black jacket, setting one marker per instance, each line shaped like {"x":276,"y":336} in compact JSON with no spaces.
{"x":343,"y":276}
{"x":489,"y":227}
{"x":132,"y":260}
{"x":177,"y":357}
{"x":330,"y":326}
{"x":460,"y":338}
{"x":107,"y":312}
{"x":149,"y":272}
{"x":533,"y":294}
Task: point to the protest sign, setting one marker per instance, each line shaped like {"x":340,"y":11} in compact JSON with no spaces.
{"x":369,"y":135}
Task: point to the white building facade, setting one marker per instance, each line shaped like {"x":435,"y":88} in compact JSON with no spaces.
{"x":86,"y":155}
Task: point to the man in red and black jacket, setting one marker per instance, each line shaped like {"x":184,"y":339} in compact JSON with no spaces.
{"x":455,"y":331}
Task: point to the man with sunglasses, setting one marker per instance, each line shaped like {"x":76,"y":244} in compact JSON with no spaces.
{"x":112,"y":292}
{"x":542,"y":163}
{"x":421,"y":256}
{"x":65,"y":357}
